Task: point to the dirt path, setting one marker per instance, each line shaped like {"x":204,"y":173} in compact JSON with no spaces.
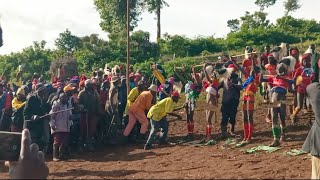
{"x":188,"y":161}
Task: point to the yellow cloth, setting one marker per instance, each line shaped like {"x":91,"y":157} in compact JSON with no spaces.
{"x":16,"y":104}
{"x":134,"y":93}
{"x":160,"y":110}
{"x":21,"y":92}
{"x":142,"y":103}
{"x":17,"y":83}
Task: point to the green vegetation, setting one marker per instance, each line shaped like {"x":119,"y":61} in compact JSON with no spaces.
{"x":91,"y":52}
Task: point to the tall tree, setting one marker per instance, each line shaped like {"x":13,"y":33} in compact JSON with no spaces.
{"x":264,"y":3}
{"x":113,"y":14}
{"x":234,"y":25}
{"x":155,"y":6}
{"x":67,"y":42}
{"x":291,"y":6}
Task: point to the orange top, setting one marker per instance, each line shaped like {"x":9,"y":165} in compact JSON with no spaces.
{"x":142,"y":103}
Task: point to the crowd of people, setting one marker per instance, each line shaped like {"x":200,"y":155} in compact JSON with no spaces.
{"x":81,"y":112}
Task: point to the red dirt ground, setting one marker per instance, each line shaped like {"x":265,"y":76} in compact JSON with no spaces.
{"x":188,"y":161}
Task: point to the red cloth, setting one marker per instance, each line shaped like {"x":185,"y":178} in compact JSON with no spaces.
{"x":247,"y":63}
{"x":61,"y":138}
{"x":277,"y":82}
{"x":264,"y":58}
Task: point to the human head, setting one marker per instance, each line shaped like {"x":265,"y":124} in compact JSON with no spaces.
{"x":41,"y":91}
{"x":88,"y":84}
{"x":69,"y":90}
{"x":267,"y":49}
{"x":306,"y":60}
{"x":63,"y":98}
{"x":295,"y":53}
{"x":21,"y":94}
{"x":123,"y":80}
{"x":142,"y":85}
{"x":105,"y":85}
{"x":312,"y":47}
{"x":281,"y":69}
{"x":132,"y":77}
{"x":272,"y":60}
{"x":153,"y":89}
{"x":175,"y":96}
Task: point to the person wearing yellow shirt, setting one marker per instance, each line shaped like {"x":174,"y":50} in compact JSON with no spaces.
{"x":134,"y":93}
{"x":157,"y":115}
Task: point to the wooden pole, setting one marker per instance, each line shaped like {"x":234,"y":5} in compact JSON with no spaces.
{"x":128,"y":46}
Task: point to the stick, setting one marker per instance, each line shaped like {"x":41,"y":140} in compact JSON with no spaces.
{"x":110,"y":125}
{"x":6,"y":132}
{"x":51,"y":114}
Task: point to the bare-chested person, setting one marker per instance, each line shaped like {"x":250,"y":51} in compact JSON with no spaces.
{"x":112,"y":104}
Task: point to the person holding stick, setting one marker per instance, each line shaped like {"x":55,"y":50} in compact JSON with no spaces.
{"x":37,"y":106}
{"x":192,"y":91}
{"x":60,"y":124}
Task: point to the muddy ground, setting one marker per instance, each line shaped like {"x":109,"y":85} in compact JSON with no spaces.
{"x":185,"y":161}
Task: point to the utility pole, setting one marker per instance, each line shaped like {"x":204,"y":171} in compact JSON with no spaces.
{"x":128,"y":46}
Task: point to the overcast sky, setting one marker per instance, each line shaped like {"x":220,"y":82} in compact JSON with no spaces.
{"x":25,"y":21}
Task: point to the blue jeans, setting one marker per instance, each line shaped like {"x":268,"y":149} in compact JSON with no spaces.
{"x":155,"y":126}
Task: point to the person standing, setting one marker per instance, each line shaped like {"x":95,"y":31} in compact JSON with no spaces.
{"x":314,"y":61}
{"x":37,"y":106}
{"x":60,"y":124}
{"x":312,"y":143}
{"x":122,"y":97}
{"x":89,"y":99}
{"x":18,"y":104}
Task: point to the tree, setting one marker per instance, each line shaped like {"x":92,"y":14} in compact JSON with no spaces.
{"x":234,"y":25}
{"x":291,"y":6}
{"x":256,"y":20}
{"x":67,"y":42}
{"x":265,"y":3}
{"x":155,"y":6}
{"x":113,"y":14}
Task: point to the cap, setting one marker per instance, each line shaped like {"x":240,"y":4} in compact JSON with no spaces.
{"x":153,"y":87}
{"x":21,"y":91}
{"x":88,"y":81}
{"x":175,"y":94}
{"x":68,"y":88}
{"x":232,"y":66}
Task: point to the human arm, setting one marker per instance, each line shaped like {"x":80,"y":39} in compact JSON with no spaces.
{"x":206,"y":73}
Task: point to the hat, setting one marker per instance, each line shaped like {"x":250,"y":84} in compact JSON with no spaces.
{"x":232,"y":66}
{"x":40,"y":87}
{"x":270,"y":55}
{"x":175,"y":94}
{"x":21,"y":91}
{"x":88,"y":81}
{"x":305,"y":56}
{"x":115,"y":78}
{"x":153,"y":87}
{"x":68,"y":88}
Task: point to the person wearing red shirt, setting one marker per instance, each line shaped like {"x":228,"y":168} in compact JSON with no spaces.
{"x":303,"y":76}
{"x":281,"y":83}
{"x":247,"y":63}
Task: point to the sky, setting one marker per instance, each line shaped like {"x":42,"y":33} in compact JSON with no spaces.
{"x":25,"y":21}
